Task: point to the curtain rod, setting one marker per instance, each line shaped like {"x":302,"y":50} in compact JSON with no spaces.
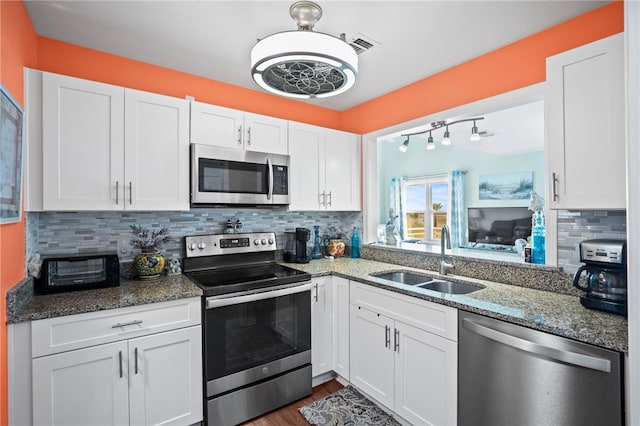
{"x":434,"y":176}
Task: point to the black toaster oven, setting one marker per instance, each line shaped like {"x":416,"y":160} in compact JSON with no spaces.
{"x":71,"y":272}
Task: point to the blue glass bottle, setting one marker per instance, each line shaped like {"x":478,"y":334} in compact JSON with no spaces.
{"x":537,"y":235}
{"x":355,"y":244}
{"x":316,"y":253}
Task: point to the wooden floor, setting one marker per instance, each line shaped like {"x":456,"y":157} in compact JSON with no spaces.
{"x":289,"y":415}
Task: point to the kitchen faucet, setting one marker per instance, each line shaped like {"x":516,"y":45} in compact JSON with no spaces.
{"x":444,"y":237}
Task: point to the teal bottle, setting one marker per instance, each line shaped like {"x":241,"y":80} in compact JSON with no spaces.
{"x":538,"y":237}
{"x":355,"y":244}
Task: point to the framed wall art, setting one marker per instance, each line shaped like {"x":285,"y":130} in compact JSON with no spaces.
{"x":505,"y":186}
{"x":11,"y":135}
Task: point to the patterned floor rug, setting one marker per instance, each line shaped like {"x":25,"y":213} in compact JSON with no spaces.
{"x":346,"y":407}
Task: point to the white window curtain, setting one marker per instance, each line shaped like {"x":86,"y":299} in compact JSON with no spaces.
{"x":396,"y":203}
{"x":458,"y":222}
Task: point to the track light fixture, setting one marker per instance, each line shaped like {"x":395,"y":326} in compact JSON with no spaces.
{"x":475,"y":136}
{"x":430,"y":144}
{"x":446,"y":140}
{"x":404,"y":145}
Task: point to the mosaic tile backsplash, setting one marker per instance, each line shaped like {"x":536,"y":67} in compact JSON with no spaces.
{"x":78,"y":232}
{"x":575,"y":226}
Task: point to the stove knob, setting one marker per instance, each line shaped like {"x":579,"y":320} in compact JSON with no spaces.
{"x":270,"y":241}
{"x":256,"y":242}
{"x":192,"y":246}
{"x":202,"y":246}
{"x":264,"y":242}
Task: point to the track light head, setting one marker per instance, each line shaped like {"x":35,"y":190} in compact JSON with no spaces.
{"x":404,"y":145}
{"x":430,"y":144}
{"x":446,"y":140}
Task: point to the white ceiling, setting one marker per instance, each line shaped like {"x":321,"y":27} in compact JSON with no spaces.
{"x":213,"y":38}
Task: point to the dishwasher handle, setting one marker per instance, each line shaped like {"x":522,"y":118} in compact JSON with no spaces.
{"x":568,"y":357}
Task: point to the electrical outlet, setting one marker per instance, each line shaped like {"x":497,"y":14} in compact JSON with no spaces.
{"x":123,"y":246}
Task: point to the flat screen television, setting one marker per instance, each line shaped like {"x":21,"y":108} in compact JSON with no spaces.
{"x":498,"y":225}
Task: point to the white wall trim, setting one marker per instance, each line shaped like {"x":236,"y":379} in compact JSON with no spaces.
{"x":632,"y":45}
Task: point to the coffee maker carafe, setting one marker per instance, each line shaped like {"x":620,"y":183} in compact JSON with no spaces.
{"x":302,"y":236}
{"x":605,"y":268}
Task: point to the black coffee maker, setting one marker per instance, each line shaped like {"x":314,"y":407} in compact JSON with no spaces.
{"x":605,"y":281}
{"x":302,"y":236}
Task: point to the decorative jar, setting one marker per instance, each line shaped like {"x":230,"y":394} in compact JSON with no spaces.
{"x":335,"y":247}
{"x":149,"y":264}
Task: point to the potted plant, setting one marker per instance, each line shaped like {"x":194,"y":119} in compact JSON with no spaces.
{"x":149,"y":263}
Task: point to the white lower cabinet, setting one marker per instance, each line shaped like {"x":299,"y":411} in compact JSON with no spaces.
{"x":321,"y":326}
{"x":152,"y":379}
{"x":340,"y":293}
{"x":411,"y":371}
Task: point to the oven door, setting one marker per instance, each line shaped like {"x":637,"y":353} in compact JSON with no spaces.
{"x":255,"y":336}
{"x":235,"y":176}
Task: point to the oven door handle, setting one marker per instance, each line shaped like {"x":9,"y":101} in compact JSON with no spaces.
{"x":216,"y":302}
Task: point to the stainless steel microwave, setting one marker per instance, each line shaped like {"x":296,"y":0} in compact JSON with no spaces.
{"x":229,"y":176}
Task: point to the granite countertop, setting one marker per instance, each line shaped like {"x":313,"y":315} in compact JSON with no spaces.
{"x":551,"y":312}
{"x":22,"y":305}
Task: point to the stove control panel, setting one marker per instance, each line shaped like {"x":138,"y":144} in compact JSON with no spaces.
{"x":217,"y":244}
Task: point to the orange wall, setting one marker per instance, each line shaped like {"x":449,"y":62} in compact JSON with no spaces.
{"x":511,"y":67}
{"x":64,"y":58}
{"x":18,"y":43}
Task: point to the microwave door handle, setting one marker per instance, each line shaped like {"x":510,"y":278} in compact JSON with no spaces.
{"x":270,"y":183}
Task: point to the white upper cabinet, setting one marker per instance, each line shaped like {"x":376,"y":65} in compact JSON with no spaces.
{"x":325,"y":169}
{"x":109,"y":148}
{"x":585,"y":122}
{"x":231,"y":128}
{"x":156,"y":163}
{"x":82,"y":144}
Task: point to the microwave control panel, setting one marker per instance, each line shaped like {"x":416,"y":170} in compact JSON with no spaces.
{"x":280,"y":180}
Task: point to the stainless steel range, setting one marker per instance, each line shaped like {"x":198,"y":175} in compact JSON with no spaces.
{"x":257,"y":325}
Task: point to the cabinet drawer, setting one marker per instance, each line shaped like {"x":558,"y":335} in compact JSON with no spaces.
{"x":432,"y":317}
{"x":66,"y":333}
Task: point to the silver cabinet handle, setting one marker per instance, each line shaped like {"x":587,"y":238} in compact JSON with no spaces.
{"x":130,"y":193}
{"x":124,"y":324}
{"x":553,"y":354}
{"x":330,"y":199}
{"x":387,"y":336}
{"x":396,"y":340}
{"x":239,"y":135}
{"x":120,"y":362}
{"x":135,"y":356}
{"x":316,"y":292}
{"x":117,"y":195}
{"x":554,"y":180}
{"x":270,"y":177}
{"x":249,"y":135}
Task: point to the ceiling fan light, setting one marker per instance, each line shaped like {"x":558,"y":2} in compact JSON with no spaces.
{"x":304,"y":63}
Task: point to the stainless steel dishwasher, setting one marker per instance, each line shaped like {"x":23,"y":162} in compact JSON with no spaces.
{"x":512,"y":375}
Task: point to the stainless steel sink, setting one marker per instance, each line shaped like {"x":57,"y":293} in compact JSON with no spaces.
{"x":403,"y":277}
{"x":450,"y":287}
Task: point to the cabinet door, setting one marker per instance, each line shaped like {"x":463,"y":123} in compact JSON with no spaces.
{"x":306,"y":148}
{"x":165,"y":373}
{"x":425,"y":377}
{"x":216,"y":125}
{"x":585,"y":126}
{"x":82,"y":144}
{"x":265,"y":134}
{"x":340,"y":333}
{"x":83,"y":387}
{"x":341,"y":170}
{"x":156,"y":152}
{"x":321,"y":326}
{"x":372,"y":355}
